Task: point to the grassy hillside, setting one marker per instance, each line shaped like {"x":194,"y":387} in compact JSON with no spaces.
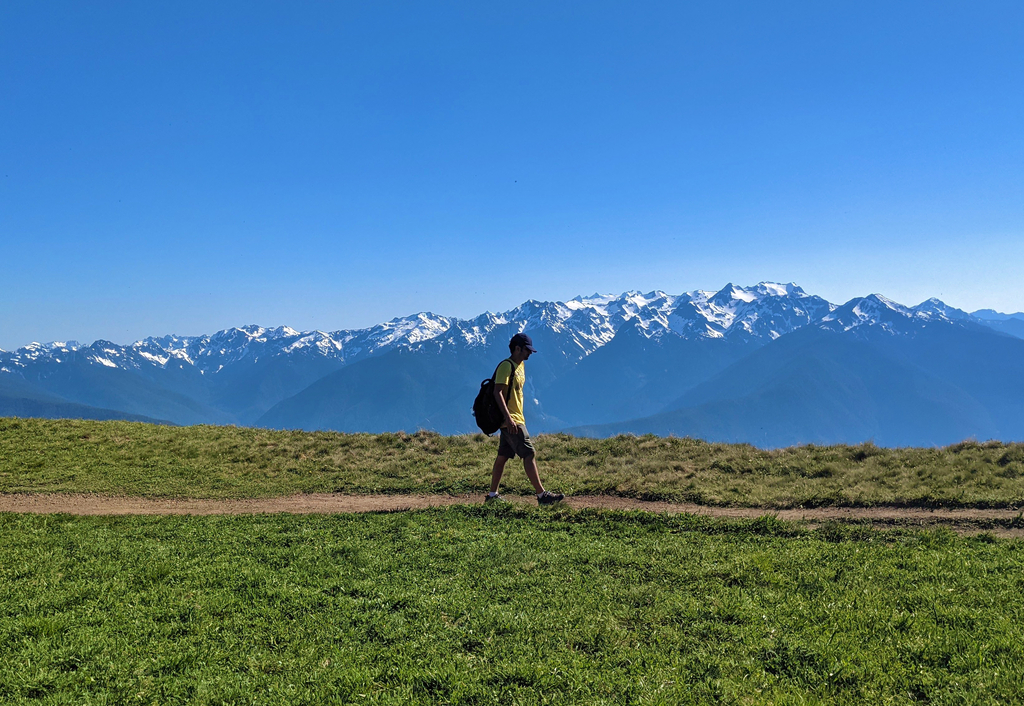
{"x":503,"y":606}
{"x":230,"y":462}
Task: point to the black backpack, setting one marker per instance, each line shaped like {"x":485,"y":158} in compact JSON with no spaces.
{"x":485,"y":408}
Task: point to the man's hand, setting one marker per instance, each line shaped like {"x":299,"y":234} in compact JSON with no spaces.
{"x":511,"y":426}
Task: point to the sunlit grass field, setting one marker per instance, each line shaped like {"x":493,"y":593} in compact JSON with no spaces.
{"x":505,"y":605}
{"x":475,"y":605}
{"x":231,"y":462}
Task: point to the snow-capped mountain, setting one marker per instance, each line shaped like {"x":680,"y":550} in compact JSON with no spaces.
{"x":936,"y":310}
{"x":577,"y":328}
{"x":602,"y":358}
{"x":766,"y":310}
{"x":879,"y":313}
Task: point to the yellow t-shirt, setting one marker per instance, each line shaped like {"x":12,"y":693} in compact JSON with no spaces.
{"x":515,"y":400}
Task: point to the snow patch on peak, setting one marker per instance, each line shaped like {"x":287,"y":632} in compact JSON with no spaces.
{"x":719,"y":308}
{"x":160,"y":360}
{"x":579,"y":298}
{"x":872,"y":310}
{"x":642,"y":300}
{"x":733,"y":293}
{"x":936,"y":309}
{"x":410,"y":330}
{"x":775,"y":289}
{"x":282,"y":332}
{"x":873,"y":304}
{"x":53,"y":346}
{"x":766,"y":310}
{"x":106,"y":362}
{"x":322,"y":342}
{"x":885,"y":301}
{"x":251,"y":330}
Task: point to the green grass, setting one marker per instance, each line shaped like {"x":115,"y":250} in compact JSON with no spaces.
{"x":503,"y":606}
{"x":230,"y":462}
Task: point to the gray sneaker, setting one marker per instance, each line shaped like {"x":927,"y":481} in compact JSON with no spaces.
{"x":549,"y":498}
{"x":489,"y":499}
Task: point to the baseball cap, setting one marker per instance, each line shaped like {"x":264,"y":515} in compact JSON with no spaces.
{"x":521,"y":339}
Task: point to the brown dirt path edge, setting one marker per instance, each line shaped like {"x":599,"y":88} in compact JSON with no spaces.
{"x":962,"y":520}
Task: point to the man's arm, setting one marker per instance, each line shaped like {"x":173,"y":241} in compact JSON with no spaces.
{"x":499,"y":396}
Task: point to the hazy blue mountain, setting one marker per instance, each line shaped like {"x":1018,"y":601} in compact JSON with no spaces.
{"x":75,"y":380}
{"x":993,"y":315}
{"x":635,"y":375}
{"x":1011,"y":327}
{"x":41,"y":409}
{"x":1012,"y":324}
{"x":816,"y":387}
{"x":18,"y":398}
{"x":870,"y":370}
{"x":399,"y":390}
{"x":987,"y":365}
{"x":248,"y":391}
{"x":231,"y":377}
{"x":430,"y":385}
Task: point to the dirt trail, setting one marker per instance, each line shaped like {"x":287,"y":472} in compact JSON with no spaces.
{"x":964,"y":520}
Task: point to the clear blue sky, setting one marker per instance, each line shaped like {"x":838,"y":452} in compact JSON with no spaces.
{"x":185,"y":167}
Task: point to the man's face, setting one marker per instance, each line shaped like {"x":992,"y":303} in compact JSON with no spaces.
{"x":524,"y":352}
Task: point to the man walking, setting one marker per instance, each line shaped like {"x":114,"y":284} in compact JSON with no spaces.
{"x":515,"y":440}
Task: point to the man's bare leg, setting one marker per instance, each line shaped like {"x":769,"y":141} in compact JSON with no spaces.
{"x":499,"y":468}
{"x":530,"y":465}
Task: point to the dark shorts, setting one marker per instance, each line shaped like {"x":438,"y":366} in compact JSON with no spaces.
{"x":513,"y":445}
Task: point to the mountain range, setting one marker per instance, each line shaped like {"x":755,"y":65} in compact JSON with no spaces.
{"x":769,"y":365}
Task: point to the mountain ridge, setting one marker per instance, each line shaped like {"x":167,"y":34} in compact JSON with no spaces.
{"x":724,"y":311}
{"x":603,"y":359}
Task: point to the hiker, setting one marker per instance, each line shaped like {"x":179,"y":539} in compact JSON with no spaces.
{"x":515,"y":440}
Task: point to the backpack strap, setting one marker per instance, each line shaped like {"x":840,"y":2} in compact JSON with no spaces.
{"x":511,"y":378}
